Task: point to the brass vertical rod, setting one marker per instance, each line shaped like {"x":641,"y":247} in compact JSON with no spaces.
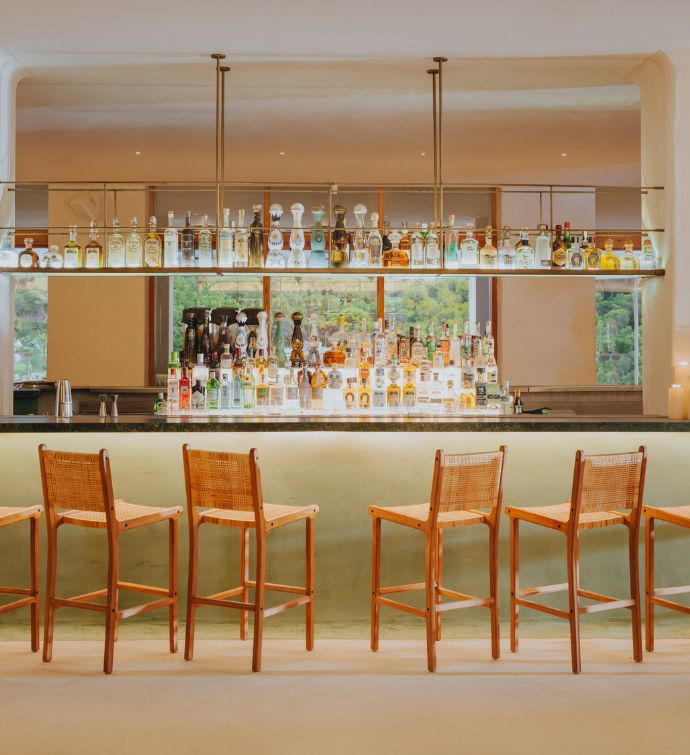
{"x":223,"y":71}
{"x":217,"y":56}
{"x":440,"y":61}
{"x":434,"y":72}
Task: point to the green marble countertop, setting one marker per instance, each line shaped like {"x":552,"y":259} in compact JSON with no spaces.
{"x":523,"y":423}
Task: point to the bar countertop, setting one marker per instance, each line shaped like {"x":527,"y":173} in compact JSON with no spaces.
{"x":522,"y":423}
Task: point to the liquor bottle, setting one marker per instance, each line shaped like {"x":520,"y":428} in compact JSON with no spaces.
{"x":272,"y":368}
{"x":629,"y":261}
{"x":393,"y":392}
{"x":567,"y":240}
{"x":212,"y":392}
{"x":256,"y":246}
{"x":198,"y":398}
{"x":200,"y":371}
{"x":576,"y":259}
{"x":340,"y":248}
{"x":648,"y":258}
{"x":454,"y":349}
{"x":262,"y":390}
{"x":542,"y":246}
{"x":409,"y":391}
{"x":225,"y":238}
{"x":171,"y":243}
{"x":225,"y":400}
{"x":318,"y":383}
{"x":488,"y":255}
{"x":365,"y":346}
{"x":375,"y":242}
{"x":93,"y":251}
{"x":185,"y":391}
{"x":418,"y":349}
{"x":385,"y":238}
{"x":304,"y":387}
{"x":173,"y":395}
{"x":133,"y":246}
{"x":444,"y":345}
{"x":54,"y":257}
{"x":524,"y":258}
{"x":160,"y":405}
{"x":405,"y":347}
{"x":317,"y":238}
{"x":379,"y":340}
{"x":609,"y":259}
{"x":450,"y":252}
{"x":8,"y":253}
{"x":395,"y":256}
{"x":262,"y":338}
{"x":116,"y":246}
{"x":364,"y":395}
{"x":430,"y":343}
{"x":488,"y":344}
{"x":297,"y":258}
{"x":205,"y":244}
{"x":360,"y":252}
{"x":28,"y":258}
{"x":517,"y":404}
{"x":449,"y":400}
{"x":248,"y":389}
{"x":152,"y":245}
{"x":72,"y":250}
{"x":432,"y":250}
{"x":592,"y":255}
{"x":506,"y":252}
{"x":480,"y":385}
{"x":297,"y":340}
{"x":237,"y":392}
{"x":469,"y":249}
{"x":417,"y":247}
{"x":405,"y":242}
{"x":241,"y":256}
{"x":242,"y":336}
{"x":174,"y":364}
{"x":391,"y":340}
{"x":279,"y":338}
{"x":274,"y":258}
{"x":187,"y":252}
{"x":559,"y":250}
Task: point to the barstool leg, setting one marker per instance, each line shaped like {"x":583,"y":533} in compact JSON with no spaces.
{"x":259,"y":599}
{"x":35,"y":610}
{"x":172,"y":584}
{"x":493,"y":587}
{"x":191,"y":590}
{"x":375,"y":581}
{"x":310,"y":583}
{"x":634,"y":545}
{"x":430,"y":558}
{"x":514,"y":582}
{"x":51,"y":579}
{"x":649,"y":585}
{"x":112,"y":605}
{"x":244,"y":576}
{"x":439,"y":577}
{"x":573,"y":602}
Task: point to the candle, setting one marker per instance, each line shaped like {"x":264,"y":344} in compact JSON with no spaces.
{"x":681,"y":372}
{"x":676,"y":402}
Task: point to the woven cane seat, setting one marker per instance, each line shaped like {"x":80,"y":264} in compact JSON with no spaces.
{"x":417,"y":515}
{"x":557,"y":516}
{"x":127,"y":514}
{"x":673,"y":514}
{"x":275,"y":515}
{"x":11,"y":514}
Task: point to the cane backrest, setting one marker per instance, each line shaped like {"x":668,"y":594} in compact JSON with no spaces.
{"x":610,"y":482}
{"x":219,"y":480}
{"x":74,"y":481}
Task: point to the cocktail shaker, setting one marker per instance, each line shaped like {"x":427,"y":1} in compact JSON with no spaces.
{"x":63,"y":399}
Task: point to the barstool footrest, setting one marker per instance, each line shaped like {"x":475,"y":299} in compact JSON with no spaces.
{"x":250,"y":583}
{"x":143,"y":607}
{"x":273,"y":610}
{"x":21,"y":603}
{"x":670,"y":604}
{"x":400,"y":606}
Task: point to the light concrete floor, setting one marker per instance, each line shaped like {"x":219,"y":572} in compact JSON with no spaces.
{"x":341,"y":698}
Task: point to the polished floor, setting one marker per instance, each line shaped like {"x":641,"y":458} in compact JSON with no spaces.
{"x":341,"y":698}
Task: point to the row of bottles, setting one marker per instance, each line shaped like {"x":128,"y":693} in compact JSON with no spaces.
{"x":240,"y":247}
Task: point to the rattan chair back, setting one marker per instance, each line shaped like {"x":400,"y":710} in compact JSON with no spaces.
{"x":75,"y":481}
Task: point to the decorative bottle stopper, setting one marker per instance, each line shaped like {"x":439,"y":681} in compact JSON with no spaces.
{"x":241,"y":339}
{"x":297,"y":342}
{"x":275,"y":239}
{"x":340,"y":253}
{"x":279,"y":338}
{"x":297,"y":257}
{"x":317,"y":257}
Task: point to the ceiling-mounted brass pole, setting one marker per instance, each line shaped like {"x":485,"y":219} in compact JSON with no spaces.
{"x":440,"y":61}
{"x":434,"y":72}
{"x":217,"y":56}
{"x":223,"y":71}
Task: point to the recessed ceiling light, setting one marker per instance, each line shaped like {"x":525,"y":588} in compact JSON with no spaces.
{"x":564,"y":154}
{"x":422,"y":154}
{"x":137,"y":152}
{"x":282,"y":154}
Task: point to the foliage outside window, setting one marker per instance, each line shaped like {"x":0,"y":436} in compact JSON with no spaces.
{"x":31,"y":328}
{"x":412,"y":301}
{"x":618,"y":333}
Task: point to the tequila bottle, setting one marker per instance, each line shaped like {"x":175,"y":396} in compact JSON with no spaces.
{"x":609,"y":259}
{"x":72,"y":250}
{"x":187,"y":252}
{"x":378,"y":395}
{"x":152,"y":245}
{"x":262,"y":333}
{"x":592,"y":255}
{"x":629,"y":261}
{"x":542,"y":246}
{"x":275,"y":239}
{"x":374,"y":241}
{"x":297,"y":258}
{"x":297,"y":340}
{"x":450,"y":252}
{"x":54,"y":256}
{"x":394,"y":392}
{"x":455,"y":348}
{"x":242,"y":337}
{"x":279,"y":338}
{"x":432,"y":251}
{"x":418,"y":349}
{"x":559,"y":250}
{"x":133,"y":247}
{"x":524,"y":259}
{"x":379,"y":340}
{"x":340,"y":251}
{"x":648,"y":259}
{"x":93,"y":251}
{"x":256,"y":246}
{"x":171,"y":240}
{"x":417,"y":247}
{"x":28,"y":258}
{"x":317,"y":256}
{"x":506,"y":252}
{"x":116,"y":246}
{"x":241,"y":257}
{"x":488,"y":255}
{"x":469,"y":249}
{"x":225,"y":236}
{"x":205,"y":244}
{"x":396,"y":256}
{"x":304,"y":388}
{"x":360,"y":252}
{"x":576,"y":258}
{"x":8,"y":253}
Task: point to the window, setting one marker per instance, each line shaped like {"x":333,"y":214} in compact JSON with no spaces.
{"x":31,"y":328}
{"x":619,"y":332}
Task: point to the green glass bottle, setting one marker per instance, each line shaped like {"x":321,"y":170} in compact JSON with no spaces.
{"x":248,"y":389}
{"x":212,"y":391}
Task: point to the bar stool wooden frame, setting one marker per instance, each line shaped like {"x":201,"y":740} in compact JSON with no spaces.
{"x":228,"y":486}
{"x":680,"y":516}
{"x":595,"y":502}
{"x":30,"y":598}
{"x":82,"y":483}
{"x":462,"y":484}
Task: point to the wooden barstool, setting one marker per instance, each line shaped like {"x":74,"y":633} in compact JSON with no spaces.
{"x":462,"y":485}
{"x":680,"y":516}
{"x":12,"y":515}
{"x":82,"y":484}
{"x":225,"y":488}
{"x":605,"y":487}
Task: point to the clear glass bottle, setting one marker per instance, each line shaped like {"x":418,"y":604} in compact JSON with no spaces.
{"x":360,"y":253}
{"x":248,"y":389}
{"x":256,"y":244}
{"x":152,"y":245}
{"x":469,"y":249}
{"x":317,"y":238}
{"x":506,"y":251}
{"x":187,"y":253}
{"x":455,"y":348}
{"x":171,"y":240}
{"x":116,"y":246}
{"x":93,"y":251}
{"x":432,"y":252}
{"x":297,"y":257}
{"x":134,"y":248}
{"x":205,"y":244}
{"x":28,"y":258}
{"x":648,"y":258}
{"x":225,"y":400}
{"x":417,"y":247}
{"x":225,"y":238}
{"x":629,"y":261}
{"x":275,"y":258}
{"x":542,"y":246}
{"x":609,"y":259}
{"x":8,"y":252}
{"x":340,"y":247}
{"x":488,"y":255}
{"x":592,"y":255}
{"x":524,"y":258}
{"x":576,"y":258}
{"x":241,"y":257}
{"x":237,"y":392}
{"x":72,"y":250}
{"x":375,"y":242}
{"x":450,"y":252}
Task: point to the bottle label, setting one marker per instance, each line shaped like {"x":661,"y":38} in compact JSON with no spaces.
{"x":559,"y":257}
{"x":379,"y":399}
{"x":481,"y":389}
{"x":593,"y":260}
{"x":576,"y":260}
{"x":394,"y":397}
